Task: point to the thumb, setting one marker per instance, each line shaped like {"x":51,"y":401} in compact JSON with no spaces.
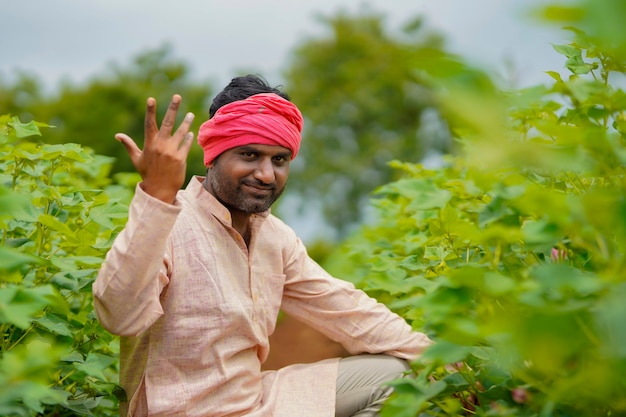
{"x":131,"y":147}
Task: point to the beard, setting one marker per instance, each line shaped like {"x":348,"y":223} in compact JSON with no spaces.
{"x":241,"y":195}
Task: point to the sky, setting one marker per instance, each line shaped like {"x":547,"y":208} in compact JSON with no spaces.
{"x":76,"y":39}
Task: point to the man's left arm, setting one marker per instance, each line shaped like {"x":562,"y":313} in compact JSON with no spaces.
{"x":346,"y":314}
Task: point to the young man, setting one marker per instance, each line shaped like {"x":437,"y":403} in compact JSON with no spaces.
{"x":195,"y":281}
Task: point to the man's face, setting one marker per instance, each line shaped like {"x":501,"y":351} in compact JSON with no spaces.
{"x":249,"y":178}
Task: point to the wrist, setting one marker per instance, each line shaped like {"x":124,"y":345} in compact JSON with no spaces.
{"x":165,"y":195}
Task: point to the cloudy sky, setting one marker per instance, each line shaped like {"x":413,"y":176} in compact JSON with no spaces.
{"x":76,"y":39}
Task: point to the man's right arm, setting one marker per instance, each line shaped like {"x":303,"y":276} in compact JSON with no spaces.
{"x":128,"y":287}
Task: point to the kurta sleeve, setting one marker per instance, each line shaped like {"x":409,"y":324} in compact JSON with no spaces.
{"x":135,"y":271}
{"x":344,"y":313}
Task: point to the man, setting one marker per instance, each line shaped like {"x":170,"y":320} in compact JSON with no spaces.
{"x":195,"y":281}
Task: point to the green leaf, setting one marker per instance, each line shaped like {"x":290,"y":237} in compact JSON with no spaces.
{"x":11,"y":203}
{"x":420,"y":393}
{"x":422,"y":194}
{"x":584,"y":90}
{"x":73,"y":357}
{"x":444,"y":352}
{"x":566,"y":280}
{"x":34,"y":396}
{"x":61,"y":280}
{"x":434,"y":253}
{"x":497,"y":209}
{"x":411,"y":263}
{"x":23,"y":130}
{"x":561,"y":13}
{"x":489,"y":282}
{"x":541,"y":232}
{"x":103,"y":215}
{"x":57,"y":225}
{"x":94,"y":365}
{"x":12,"y":259}
{"x":568,"y":50}
{"x":55,"y":325}
{"x":67,"y":151}
{"x":610,"y":316}
{"x":497,"y":285}
{"x":555,"y":75}
{"x":18,"y":306}
{"x":83,"y":406}
{"x":455,"y":383}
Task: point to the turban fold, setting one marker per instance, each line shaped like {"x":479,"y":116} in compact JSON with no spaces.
{"x":263,"y":119}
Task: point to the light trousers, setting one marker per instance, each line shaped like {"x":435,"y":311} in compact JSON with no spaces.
{"x":360,"y":383}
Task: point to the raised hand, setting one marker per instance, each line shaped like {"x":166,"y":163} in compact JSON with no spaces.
{"x":163,"y":161}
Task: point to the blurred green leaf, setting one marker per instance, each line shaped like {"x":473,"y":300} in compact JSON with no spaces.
{"x":12,"y":259}
{"x":23,"y":130}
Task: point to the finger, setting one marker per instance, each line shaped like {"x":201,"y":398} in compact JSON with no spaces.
{"x":150,"y":124}
{"x":131,"y":147}
{"x":170,"y":116}
{"x":185,"y":125}
{"x":185,"y":145}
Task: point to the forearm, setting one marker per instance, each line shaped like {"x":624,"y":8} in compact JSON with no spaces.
{"x":128,"y":287}
{"x":371,"y":327}
{"x":348,"y":315}
{"x":361,"y":324}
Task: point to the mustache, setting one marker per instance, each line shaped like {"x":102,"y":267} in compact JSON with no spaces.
{"x":259,"y":184}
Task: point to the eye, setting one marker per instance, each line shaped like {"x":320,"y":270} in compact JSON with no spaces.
{"x":280,"y":160}
{"x":249,"y":154}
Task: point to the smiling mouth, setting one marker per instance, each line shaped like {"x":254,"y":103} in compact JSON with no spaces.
{"x":259,"y":190}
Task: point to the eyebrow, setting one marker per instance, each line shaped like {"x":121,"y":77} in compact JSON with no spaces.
{"x":252,"y":148}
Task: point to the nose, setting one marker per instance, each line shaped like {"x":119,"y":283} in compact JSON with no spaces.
{"x":264,"y":171}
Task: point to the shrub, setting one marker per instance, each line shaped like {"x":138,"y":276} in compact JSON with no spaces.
{"x":512,"y":254}
{"x":58,"y":215}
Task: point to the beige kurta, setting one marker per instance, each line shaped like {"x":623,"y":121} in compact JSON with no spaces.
{"x":195,"y":307}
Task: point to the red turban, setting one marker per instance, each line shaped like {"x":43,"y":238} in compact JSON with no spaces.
{"x":264,"y":119}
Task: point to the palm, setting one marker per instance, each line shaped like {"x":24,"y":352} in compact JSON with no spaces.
{"x":163,"y":160}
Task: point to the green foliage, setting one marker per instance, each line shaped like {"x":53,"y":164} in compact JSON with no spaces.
{"x":58,"y":214}
{"x":601,"y":20}
{"x":366,"y":102}
{"x":91,"y":114}
{"x":512,"y":255}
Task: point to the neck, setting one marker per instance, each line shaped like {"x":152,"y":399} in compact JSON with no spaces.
{"x":241,"y":223}
{"x":240,"y":220}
